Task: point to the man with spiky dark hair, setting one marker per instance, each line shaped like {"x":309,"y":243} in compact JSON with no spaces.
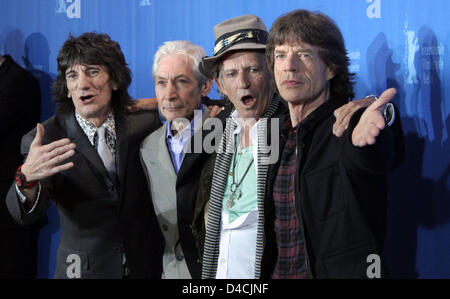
{"x":93,"y":49}
{"x":85,"y":160}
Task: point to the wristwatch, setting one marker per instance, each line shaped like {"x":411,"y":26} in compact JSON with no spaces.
{"x":22,"y":182}
{"x":388,"y":111}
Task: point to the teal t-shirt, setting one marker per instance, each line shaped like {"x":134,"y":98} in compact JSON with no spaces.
{"x":245,"y":197}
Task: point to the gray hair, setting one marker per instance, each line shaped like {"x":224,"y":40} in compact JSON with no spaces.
{"x":188,"y":48}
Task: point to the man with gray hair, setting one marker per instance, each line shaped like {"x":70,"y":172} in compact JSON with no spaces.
{"x":171,"y":165}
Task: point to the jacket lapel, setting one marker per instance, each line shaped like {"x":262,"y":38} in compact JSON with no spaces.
{"x":191,"y":161}
{"x":191,"y":158}
{"x":162,"y":156}
{"x":84,"y":147}
{"x":158,"y":157}
{"x":122,"y":148}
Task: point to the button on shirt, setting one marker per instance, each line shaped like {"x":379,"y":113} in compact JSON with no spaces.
{"x":237,"y":254}
{"x":178,"y":144}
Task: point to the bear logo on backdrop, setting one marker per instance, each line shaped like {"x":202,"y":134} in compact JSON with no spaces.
{"x":412,"y":46}
{"x":144,"y":3}
{"x":73,"y":11}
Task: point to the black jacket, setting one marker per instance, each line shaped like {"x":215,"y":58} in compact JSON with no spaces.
{"x":340,"y":194}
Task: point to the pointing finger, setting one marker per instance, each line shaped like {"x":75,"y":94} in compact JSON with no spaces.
{"x":385,"y":97}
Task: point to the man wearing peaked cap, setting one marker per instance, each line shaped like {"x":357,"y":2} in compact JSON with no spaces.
{"x":244,"y":33}
{"x":234,"y":240}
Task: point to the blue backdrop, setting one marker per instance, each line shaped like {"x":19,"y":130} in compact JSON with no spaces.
{"x":391,"y":43}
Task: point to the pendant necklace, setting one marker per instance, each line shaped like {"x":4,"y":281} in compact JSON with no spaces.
{"x":235,"y":185}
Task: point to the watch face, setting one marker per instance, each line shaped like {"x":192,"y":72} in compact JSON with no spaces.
{"x":388,"y":113}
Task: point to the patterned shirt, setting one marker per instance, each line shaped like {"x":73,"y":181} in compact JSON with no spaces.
{"x":90,"y":130}
{"x":290,"y":242}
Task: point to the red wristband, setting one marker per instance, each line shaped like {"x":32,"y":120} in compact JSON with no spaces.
{"x":21,"y":180}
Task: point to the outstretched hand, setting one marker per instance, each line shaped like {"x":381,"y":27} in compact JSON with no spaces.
{"x":344,"y":113}
{"x":44,"y":160}
{"x":372,"y":120}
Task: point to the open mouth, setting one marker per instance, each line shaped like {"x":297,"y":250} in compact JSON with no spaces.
{"x":247,"y":100}
{"x":86,"y":98}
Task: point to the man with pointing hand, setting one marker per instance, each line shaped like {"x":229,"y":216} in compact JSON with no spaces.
{"x":329,"y":194}
{"x":85,"y":160}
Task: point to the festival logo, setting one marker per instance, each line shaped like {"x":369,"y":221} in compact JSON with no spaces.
{"x":61,"y":6}
{"x":144,"y":3}
{"x":411,"y":46}
{"x":354,"y":57}
{"x":374,"y":9}
{"x":73,"y":11}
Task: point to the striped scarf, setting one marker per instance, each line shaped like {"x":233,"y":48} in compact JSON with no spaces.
{"x":219,"y":181}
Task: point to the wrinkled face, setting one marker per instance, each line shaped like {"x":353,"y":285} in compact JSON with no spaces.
{"x":90,"y":88}
{"x":245,"y":80}
{"x":176,"y":87}
{"x":300,"y":74}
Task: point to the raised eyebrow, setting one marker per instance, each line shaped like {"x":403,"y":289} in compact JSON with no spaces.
{"x":255,"y":66}
{"x":303,"y":50}
{"x":280,"y":51}
{"x":182,"y":76}
{"x":90,"y":68}
{"x":71,"y":71}
{"x":228,"y":71}
{"x":157,"y":78}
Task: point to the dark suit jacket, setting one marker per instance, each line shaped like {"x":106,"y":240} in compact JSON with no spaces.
{"x":100,"y":219}
{"x":188,"y":180}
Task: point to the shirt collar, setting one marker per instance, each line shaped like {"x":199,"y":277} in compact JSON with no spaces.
{"x":253,"y":130}
{"x":189,"y":130}
{"x":89,"y":129}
